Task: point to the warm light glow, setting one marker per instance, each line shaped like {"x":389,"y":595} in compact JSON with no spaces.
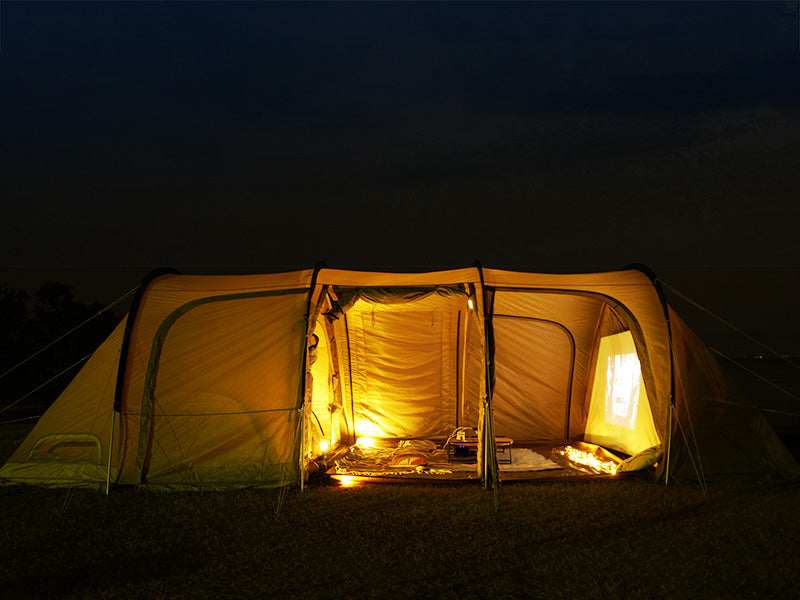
{"x":623,"y":373}
{"x":348,"y":481}
{"x":369,"y":429}
{"x":323,"y":446}
{"x":589,"y":459}
{"x":365,"y":442}
{"x":619,"y":411}
{"x":469,"y":303}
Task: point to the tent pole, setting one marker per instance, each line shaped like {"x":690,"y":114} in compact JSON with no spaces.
{"x":490,"y":470}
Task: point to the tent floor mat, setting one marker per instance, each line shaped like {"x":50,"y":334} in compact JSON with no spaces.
{"x":557,"y":474}
{"x":550,"y":475}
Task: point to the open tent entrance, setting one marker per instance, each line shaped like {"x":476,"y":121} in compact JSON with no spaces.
{"x":404,"y":367}
{"x":396,"y":372}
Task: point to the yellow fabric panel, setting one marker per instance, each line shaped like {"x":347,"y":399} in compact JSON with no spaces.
{"x":222,"y":366}
{"x":619,"y":411}
{"x":165,"y":295}
{"x":319,"y":411}
{"x":579,"y":315}
{"x":571,"y":281}
{"x":403,"y":359}
{"x":55,"y":473}
{"x":341,"y":367}
{"x":372,"y":279}
{"x":636,"y":301}
{"x":168,"y":293}
{"x":84,"y":407}
{"x":223,"y":449}
{"x":533,"y":368}
{"x":727,"y":428}
{"x":214,"y":285}
{"x":474,"y":373}
{"x":128,"y":446}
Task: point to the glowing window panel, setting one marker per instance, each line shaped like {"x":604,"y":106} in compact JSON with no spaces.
{"x":623,"y":373}
{"x":619,"y":410}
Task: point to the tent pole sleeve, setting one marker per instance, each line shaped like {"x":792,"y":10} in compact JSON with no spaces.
{"x":301,"y":418}
{"x":313,"y":285}
{"x":303,"y":379}
{"x":669,"y":445}
{"x":110,"y":450}
{"x":154,"y":363}
{"x":665,"y":308}
{"x":463,"y":324}
{"x":126,"y":337}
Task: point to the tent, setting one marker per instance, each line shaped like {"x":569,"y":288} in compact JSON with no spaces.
{"x":217,"y":382}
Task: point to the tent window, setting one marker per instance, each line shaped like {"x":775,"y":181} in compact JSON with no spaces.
{"x":619,"y":410}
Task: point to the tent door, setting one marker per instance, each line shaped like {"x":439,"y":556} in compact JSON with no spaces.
{"x":534,"y":361}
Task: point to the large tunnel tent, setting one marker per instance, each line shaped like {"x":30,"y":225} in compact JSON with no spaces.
{"x":218,"y":382}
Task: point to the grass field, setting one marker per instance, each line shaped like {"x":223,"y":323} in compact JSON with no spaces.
{"x":591,"y":539}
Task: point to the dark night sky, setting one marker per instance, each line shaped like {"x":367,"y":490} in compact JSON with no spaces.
{"x":538,"y":136}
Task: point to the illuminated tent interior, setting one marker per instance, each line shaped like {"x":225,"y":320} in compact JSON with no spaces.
{"x":218,"y":382}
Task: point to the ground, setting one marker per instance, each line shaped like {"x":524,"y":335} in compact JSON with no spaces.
{"x":590,"y":539}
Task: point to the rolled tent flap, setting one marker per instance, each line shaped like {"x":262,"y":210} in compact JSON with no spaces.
{"x":388,"y":295}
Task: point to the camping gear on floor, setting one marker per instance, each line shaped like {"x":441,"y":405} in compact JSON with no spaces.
{"x":217,"y":382}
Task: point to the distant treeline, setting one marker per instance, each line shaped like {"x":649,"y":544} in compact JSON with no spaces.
{"x":28,"y":323}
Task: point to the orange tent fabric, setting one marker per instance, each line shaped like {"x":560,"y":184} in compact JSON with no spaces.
{"x":215,"y":382}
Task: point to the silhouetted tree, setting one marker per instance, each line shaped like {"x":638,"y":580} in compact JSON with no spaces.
{"x":14,"y":315}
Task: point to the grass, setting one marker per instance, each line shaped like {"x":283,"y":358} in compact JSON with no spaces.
{"x":590,"y":539}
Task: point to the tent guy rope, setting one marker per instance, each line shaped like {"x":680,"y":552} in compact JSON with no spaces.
{"x":53,"y":378}
{"x":755,"y":374}
{"x":71,"y":331}
{"x":729,"y":324}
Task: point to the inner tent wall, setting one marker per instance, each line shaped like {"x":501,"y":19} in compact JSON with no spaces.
{"x":545,"y":344}
{"x":401,"y":370}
